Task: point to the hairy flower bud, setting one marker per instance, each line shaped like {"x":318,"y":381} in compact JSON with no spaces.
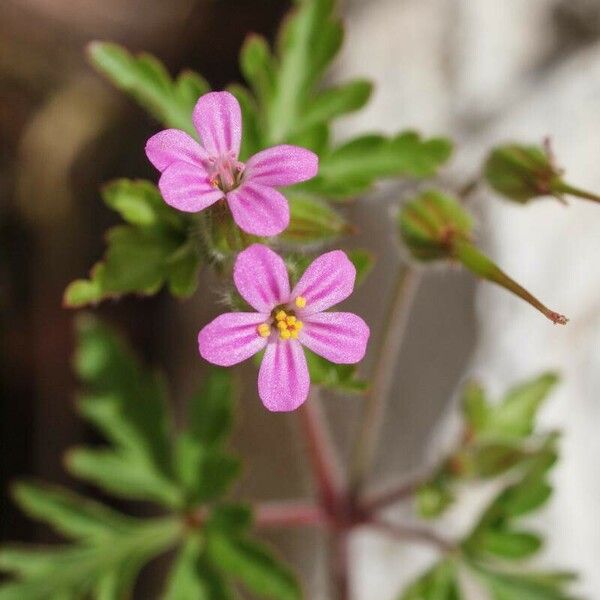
{"x":523,"y":173}
{"x":431,"y":224}
{"x":436,"y":227}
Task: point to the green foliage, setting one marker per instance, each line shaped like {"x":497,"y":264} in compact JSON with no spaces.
{"x":155,"y":249}
{"x":500,"y":441}
{"x":286,"y":103}
{"x":146,"y":79}
{"x":498,"y":437}
{"x":353,"y":167}
{"x":187,"y":474}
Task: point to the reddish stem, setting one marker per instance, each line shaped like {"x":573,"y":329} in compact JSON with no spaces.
{"x":289,"y":514}
{"x":409,"y":532}
{"x":322,"y":454}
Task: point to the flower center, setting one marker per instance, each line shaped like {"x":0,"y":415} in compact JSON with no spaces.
{"x":225,"y":172}
{"x":283,"y":322}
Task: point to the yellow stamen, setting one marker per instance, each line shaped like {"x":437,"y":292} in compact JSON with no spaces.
{"x":281,"y":315}
{"x":298,"y":325}
{"x":264,"y":330}
{"x":285,"y":334}
{"x":300,"y":302}
{"x":281,"y":325}
{"x":290,"y":320}
{"x":294,"y":334}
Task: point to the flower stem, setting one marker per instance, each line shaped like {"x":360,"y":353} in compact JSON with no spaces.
{"x":414,"y":533}
{"x":289,"y":514}
{"x":483,"y":267}
{"x":323,"y":457}
{"x":376,"y":400}
{"x":565,"y":188}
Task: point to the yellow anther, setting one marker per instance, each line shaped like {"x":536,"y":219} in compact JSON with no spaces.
{"x":294,"y":334}
{"x":281,"y":315}
{"x":290,"y":320}
{"x":281,"y":325}
{"x":300,"y":302}
{"x":264,"y":329}
{"x":298,"y":325}
{"x":285,"y":334}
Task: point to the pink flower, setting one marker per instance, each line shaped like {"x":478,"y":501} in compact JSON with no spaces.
{"x":194,"y":176}
{"x":285,"y":321}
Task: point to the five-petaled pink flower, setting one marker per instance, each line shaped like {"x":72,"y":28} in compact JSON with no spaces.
{"x":285,"y":321}
{"x":194,"y":176}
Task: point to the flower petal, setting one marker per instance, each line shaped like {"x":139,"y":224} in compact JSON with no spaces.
{"x":340,"y":337}
{"x":218,"y":119}
{"x":283,"y":380}
{"x":231,"y":338}
{"x":261,"y":277}
{"x":282,"y":165}
{"x":173,"y":145}
{"x":187,"y":187}
{"x":329,"y":279}
{"x":259,"y":210}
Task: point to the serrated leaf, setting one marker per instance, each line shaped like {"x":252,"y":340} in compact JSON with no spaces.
{"x":336,"y":101}
{"x":127,"y":404}
{"x":79,"y":570}
{"x":253,"y":565}
{"x":352,"y":168}
{"x":258,"y":67}
{"x":154,"y":250}
{"x":309,"y":39}
{"x":211,"y":409}
{"x":70,"y":514}
{"x":145,"y":78}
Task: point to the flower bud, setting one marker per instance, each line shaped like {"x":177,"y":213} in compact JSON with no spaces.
{"x":522,"y":173}
{"x":431,"y":224}
{"x":436,"y":227}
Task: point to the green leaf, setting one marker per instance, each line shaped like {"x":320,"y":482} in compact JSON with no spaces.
{"x":69,"y":514}
{"x":78,"y":571}
{"x":337,"y":377}
{"x":254,"y":566}
{"x":528,"y":586}
{"x":439,"y":583}
{"x":155,"y":249}
{"x":258,"y":67}
{"x":506,"y":544}
{"x":192,"y":578}
{"x":313,"y":221}
{"x":308,"y":41}
{"x":515,"y":416}
{"x":146,"y":79}
{"x":230,"y":519}
{"x":336,"y":101}
{"x":352,"y":168}
{"x":211,"y":409}
{"x":127,"y":404}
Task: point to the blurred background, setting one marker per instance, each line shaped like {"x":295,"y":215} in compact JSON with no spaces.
{"x":480,"y":72}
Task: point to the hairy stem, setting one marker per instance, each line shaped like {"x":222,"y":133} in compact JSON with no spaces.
{"x":322,"y":455}
{"x":376,"y":400}
{"x":395,"y":493}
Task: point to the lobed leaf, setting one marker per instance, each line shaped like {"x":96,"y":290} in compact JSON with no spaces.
{"x":145,"y":78}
